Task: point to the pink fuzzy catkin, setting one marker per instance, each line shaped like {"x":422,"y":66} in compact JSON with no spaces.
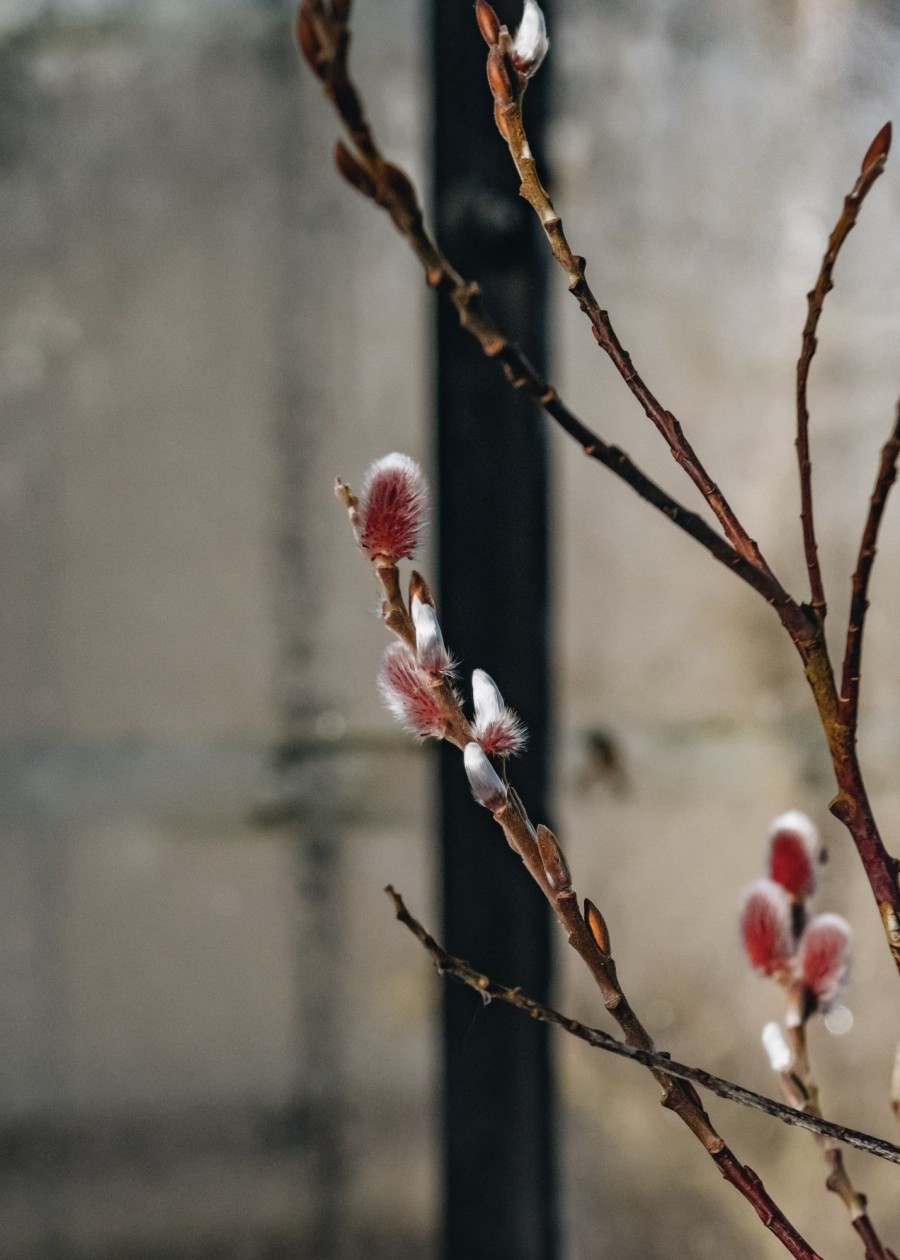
{"x":766,"y":927}
{"x":393,"y":505}
{"x":823,"y":958}
{"x":504,"y":736}
{"x":793,"y":853}
{"x":409,"y":695}
{"x":499,"y":731}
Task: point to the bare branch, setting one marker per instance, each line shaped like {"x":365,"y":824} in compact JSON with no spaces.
{"x":872,"y":166}
{"x":859,"y":600}
{"x":800,"y":1090}
{"x":509,"y":117}
{"x":490,"y":990}
{"x":545,"y":862}
{"x":803,"y":624}
{"x":390,"y":187}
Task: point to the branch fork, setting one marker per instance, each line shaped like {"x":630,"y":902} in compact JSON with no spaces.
{"x":406,"y":690}
{"x":323,"y":36}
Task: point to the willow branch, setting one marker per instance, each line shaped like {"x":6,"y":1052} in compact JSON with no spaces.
{"x":859,"y":599}
{"x":872,"y":166}
{"x":412,"y":694}
{"x":323,"y":36}
{"x":509,"y":87}
{"x":491,"y":991}
{"x":805,"y":625}
{"x":798,"y":1085}
{"x":588,"y":936}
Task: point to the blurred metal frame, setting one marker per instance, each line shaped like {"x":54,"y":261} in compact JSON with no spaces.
{"x":498,"y":1106}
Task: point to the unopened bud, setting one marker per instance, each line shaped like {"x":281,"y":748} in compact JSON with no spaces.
{"x":777,"y":1048}
{"x":419,"y":589}
{"x":345,"y":495}
{"x":353,"y":170}
{"x":486,"y":784}
{"x":556,"y":868}
{"x":498,"y":78}
{"x":597,"y":926}
{"x":530,"y":42}
{"x":878,"y":149}
{"x":308,"y":38}
{"x":431,"y":653}
{"x":500,"y":120}
{"x":400,"y":185}
{"x":488,"y":22}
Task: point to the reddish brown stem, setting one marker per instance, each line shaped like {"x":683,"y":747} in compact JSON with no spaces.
{"x":800,"y":1090}
{"x":851,"y":806}
{"x":326,"y":51}
{"x":677,"y":1096}
{"x":682,"y":1099}
{"x":491,"y":990}
{"x":390,"y":188}
{"x":534,"y":192}
{"x":859,"y":599}
{"x":546,"y":863}
{"x":872,"y":167}
{"x":874,"y":1248}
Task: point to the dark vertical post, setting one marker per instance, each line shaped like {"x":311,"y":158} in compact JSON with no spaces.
{"x":499,"y":1191}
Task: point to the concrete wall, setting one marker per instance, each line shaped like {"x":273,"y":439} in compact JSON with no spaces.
{"x":213,"y":1039}
{"x":703,"y":154}
{"x":176,"y":961}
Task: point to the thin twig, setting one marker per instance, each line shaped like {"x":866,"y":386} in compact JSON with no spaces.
{"x":800,"y":1090}
{"x":545,"y":862}
{"x":588,"y":936}
{"x":491,"y":990}
{"x":324,"y":41}
{"x":805,"y":625}
{"x":872,"y":166}
{"x":508,"y":98}
{"x":859,"y":601}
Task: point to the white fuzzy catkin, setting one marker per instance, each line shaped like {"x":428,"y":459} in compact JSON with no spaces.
{"x":776,"y":1047}
{"x":486,"y":695}
{"x":487,"y":786}
{"x":530,"y":43}
{"x":431,"y":653}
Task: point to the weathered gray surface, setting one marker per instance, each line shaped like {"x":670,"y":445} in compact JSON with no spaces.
{"x":703,"y":156}
{"x":213,"y":1040}
{"x":173,"y":992}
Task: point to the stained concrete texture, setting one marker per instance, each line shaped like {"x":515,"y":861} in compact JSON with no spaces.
{"x":213,"y":1039}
